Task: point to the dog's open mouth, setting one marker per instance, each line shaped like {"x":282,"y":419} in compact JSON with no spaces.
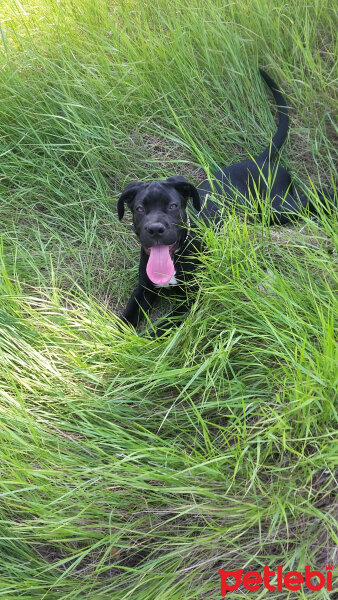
{"x":160,"y":266}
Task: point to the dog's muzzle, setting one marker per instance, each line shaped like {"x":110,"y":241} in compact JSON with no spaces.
{"x":160,"y":266}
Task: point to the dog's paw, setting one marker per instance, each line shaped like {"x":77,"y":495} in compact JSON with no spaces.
{"x":123,"y":324}
{"x":156,"y":334}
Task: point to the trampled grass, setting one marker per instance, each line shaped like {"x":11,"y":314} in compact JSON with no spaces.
{"x":133,"y":468}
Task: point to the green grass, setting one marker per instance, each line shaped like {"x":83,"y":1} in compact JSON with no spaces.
{"x":133,"y":468}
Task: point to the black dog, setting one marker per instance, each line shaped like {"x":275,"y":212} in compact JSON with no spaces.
{"x":169,"y":252}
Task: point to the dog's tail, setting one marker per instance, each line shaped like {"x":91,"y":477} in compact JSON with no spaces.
{"x":283,"y":121}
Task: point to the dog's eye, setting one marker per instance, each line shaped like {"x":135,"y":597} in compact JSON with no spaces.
{"x":172,"y":206}
{"x":139,"y":209}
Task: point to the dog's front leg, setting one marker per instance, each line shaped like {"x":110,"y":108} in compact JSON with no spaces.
{"x":177,"y":315}
{"x":142,"y":299}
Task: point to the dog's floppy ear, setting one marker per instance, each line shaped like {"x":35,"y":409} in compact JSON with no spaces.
{"x":186,"y":189}
{"x":128,"y":196}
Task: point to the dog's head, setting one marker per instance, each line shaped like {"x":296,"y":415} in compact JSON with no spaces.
{"x":160,"y":218}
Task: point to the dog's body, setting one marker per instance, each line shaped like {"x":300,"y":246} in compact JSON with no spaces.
{"x":169,"y":253}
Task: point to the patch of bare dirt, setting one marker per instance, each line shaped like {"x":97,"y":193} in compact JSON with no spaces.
{"x":168,"y":157}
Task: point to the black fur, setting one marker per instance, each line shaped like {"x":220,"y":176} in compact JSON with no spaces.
{"x":160,"y":217}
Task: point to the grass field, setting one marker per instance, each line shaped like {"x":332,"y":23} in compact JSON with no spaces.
{"x":133,"y":468}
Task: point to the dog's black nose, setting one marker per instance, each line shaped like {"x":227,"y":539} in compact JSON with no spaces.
{"x":156,"y":229}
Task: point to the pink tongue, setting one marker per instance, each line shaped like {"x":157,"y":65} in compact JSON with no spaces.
{"x":160,"y":267}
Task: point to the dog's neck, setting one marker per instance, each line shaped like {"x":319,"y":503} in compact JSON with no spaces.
{"x":188,"y":230}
